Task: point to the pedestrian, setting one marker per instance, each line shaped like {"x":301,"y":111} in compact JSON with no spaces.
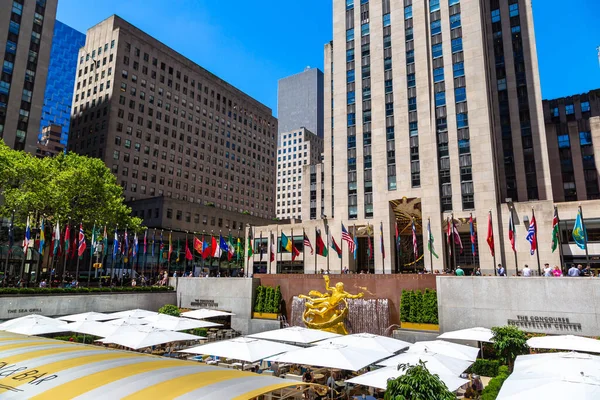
{"x":501,"y":270}
{"x":477,"y":272}
{"x":547,"y":270}
{"x":526,"y":271}
{"x":573,"y":271}
{"x":459,"y":271}
{"x":587,"y":271}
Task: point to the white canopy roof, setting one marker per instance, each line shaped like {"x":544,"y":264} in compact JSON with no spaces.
{"x":34,"y":325}
{"x":127,"y":321}
{"x":332,"y":356}
{"x":139,"y":337}
{"x":88,"y":316}
{"x":205,"y":313}
{"x":553,"y":376}
{"x":378,"y":378}
{"x":170,"y":323}
{"x":295,"y":334}
{"x":476,"y":334}
{"x":436,"y":363}
{"x":565,"y":342}
{"x":242,"y":348}
{"x":137,"y":313}
{"x":94,"y":328}
{"x":446,"y":348}
{"x":369,"y":341}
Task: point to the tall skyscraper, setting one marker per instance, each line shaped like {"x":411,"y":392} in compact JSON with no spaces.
{"x":300,"y":102}
{"x":61,"y":78}
{"x":167,"y":127}
{"x":25,"y":41}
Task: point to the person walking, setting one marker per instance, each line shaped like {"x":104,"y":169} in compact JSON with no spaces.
{"x":526,"y":271}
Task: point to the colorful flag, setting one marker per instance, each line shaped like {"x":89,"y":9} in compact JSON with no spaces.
{"x":335,"y":246}
{"x":146,"y":242}
{"x":125,"y":248}
{"x":369,"y":245}
{"x":105,"y":242}
{"x":531,"y":235}
{"x":67,"y":240}
{"x":75,"y":245}
{"x":170,"y":251}
{"x":56,"y":238}
{"x":82,"y":245}
{"x":178,"y":252}
{"x":398,"y":243}
{"x":512,"y":233}
{"x":355,"y":247}
{"x":153,"y":241}
{"x":321,"y":248}
{"x":457,"y":239}
{"x":261,"y":249}
{"x":286,"y":243}
{"x":449,"y":235}
{"x":230,"y":248}
{"x":490,"y":235}
{"x":206,"y":248}
{"x":250,"y":244}
{"x":197,"y":245}
{"x":27,"y":238}
{"x":223,"y":244}
{"x":308,"y":244}
{"x":414,"y":239}
{"x":430,"y":239}
{"x":295,"y":252}
{"x":161,"y":248}
{"x":115,"y":244}
{"x":135,"y":245}
{"x":381,"y":237}
{"x":555,"y":230}
{"x":579,"y":231}
{"x":239,"y":249}
{"x":346,"y":237}
{"x":473,"y":237}
{"x":272,"y":251}
{"x":188,"y":254}
{"x":42,"y":238}
{"x":215,"y":248}
{"x":94,"y":241}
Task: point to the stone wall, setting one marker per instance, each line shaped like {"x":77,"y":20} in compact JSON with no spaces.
{"x":59,"y":305}
{"x":545,"y":305}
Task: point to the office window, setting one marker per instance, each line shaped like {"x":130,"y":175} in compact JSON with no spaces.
{"x":387,"y":64}
{"x":349,"y":55}
{"x":585,"y":106}
{"x":564,"y":141}
{"x":585,"y":138}
{"x":409,"y":34}
{"x":457,"y":45}
{"x":410,"y":57}
{"x":411,"y":80}
{"x":351,"y":97}
{"x":462,"y":120}
{"x":569,"y":109}
{"x":453,"y":2}
{"x":386,"y":20}
{"x":349,"y":4}
{"x":555,"y":112}
{"x":440,"y":99}
{"x":436,"y":27}
{"x":513,"y":10}
{"x":349,"y":35}
{"x":412,"y":103}
{"x":389,"y":87}
{"x":350,"y":76}
{"x":458,"y":69}
{"x":502,"y":84}
{"x":454,"y":21}
{"x":364,"y":29}
{"x":413,"y":128}
{"x":351,"y":119}
{"x":434,"y":5}
{"x":496,"y":15}
{"x":438,"y":74}
{"x":408,"y":12}
{"x":436,"y":50}
{"x":460,"y":94}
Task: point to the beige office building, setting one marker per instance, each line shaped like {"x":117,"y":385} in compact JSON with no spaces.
{"x":25,"y":41}
{"x":297,"y":149}
{"x":167,"y":127}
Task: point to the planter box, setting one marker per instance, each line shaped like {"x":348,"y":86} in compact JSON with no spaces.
{"x":265,"y":315}
{"x":420,"y":327}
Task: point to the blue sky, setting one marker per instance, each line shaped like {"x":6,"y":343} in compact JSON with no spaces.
{"x":252,"y":44}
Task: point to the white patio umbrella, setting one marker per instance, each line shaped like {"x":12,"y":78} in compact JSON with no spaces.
{"x":34,"y":325}
{"x":205,"y":313}
{"x":242,"y":348}
{"x":88,"y":316}
{"x":94,"y":328}
{"x":329,"y":355}
{"x":436,"y":363}
{"x":130,"y":321}
{"x":170,"y":323}
{"x":137,"y":313}
{"x":139,"y":337}
{"x":474,"y":334}
{"x":459,"y":351}
{"x":378,"y":378}
{"x":369,"y":341}
{"x":553,"y":376}
{"x":565,"y":342}
{"x":295,"y":334}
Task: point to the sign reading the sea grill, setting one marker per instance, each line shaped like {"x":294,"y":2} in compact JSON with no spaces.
{"x":545,"y":323}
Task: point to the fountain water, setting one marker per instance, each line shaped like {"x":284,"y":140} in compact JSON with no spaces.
{"x":364,"y":315}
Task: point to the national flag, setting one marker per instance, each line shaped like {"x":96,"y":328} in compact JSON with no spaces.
{"x":67,"y":240}
{"x":135,"y":245}
{"x":161,"y":248}
{"x":27,"y":237}
{"x":355,"y":247}
{"x":188,"y":254}
{"x":223,"y":244}
{"x":308,"y":244}
{"x":115,"y":244}
{"x":346,"y":237}
{"x":286,"y":243}
{"x":94,"y":241}
{"x":206,"y":248}
{"x":272,"y":251}
{"x":75,"y":246}
{"x":261,"y":249}
{"x":105,"y":242}
{"x":197,"y":245}
{"x":430,"y":240}
{"x":512,"y":233}
{"x":473,"y":237}
{"x":335,"y":246}
{"x":398,"y":243}
{"x":531,"y":235}
{"x":178,"y":252}
{"x":56,"y":238}
{"x":414,"y":239}
{"x":369,"y":246}
{"x":295,"y":252}
{"x":82,"y":246}
{"x":449,"y":235}
{"x":490,"y":235}
{"x":230,"y":247}
{"x":250,"y":244}
{"x":381,"y":237}
{"x":321,"y":248}
{"x":457,"y":239}
{"x":153,"y":242}
{"x":125,"y":247}
{"x":239,"y":249}
{"x":555,"y":230}
{"x":42,"y":238}
{"x":170,"y":251}
{"x":579,"y":231}
{"x":215,"y":248}
{"x":146,"y":242}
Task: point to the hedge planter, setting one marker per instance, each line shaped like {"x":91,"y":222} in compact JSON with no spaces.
{"x":262,"y":315}
{"x":420,"y":327}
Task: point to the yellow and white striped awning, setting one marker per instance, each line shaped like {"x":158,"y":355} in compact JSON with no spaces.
{"x":40,"y":368}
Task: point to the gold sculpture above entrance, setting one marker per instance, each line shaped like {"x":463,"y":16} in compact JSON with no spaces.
{"x":328,"y":311}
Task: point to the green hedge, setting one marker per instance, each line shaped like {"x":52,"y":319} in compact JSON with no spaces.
{"x":170,"y":309}
{"x":50,"y":291}
{"x":419,"y":307}
{"x":493,"y":388}
{"x":88,"y":339}
{"x":268,"y":299}
{"x":485,"y":367}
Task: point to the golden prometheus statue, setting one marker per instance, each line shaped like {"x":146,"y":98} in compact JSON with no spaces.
{"x":328,"y":311}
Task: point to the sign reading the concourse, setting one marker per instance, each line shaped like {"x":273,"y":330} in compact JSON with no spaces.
{"x":545,"y":324}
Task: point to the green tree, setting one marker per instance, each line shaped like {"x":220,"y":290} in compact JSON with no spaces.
{"x":417,"y":383}
{"x":66,"y":187}
{"x":509,"y":342}
{"x":170,"y":309}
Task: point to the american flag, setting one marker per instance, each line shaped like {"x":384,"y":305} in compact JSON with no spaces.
{"x":346,"y":237}
{"x":414,"y":237}
{"x":308,"y":244}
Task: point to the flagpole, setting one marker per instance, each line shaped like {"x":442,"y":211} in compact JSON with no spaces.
{"x":293,"y":247}
{"x":472,"y":242}
{"x":303,"y":251}
{"x":327,"y":235}
{"x":380,"y":247}
{"x":453,"y":241}
{"x":537,"y":249}
{"x":91,"y":256}
{"x":585,"y":240}
{"x":279,"y":267}
{"x":77,"y":252}
{"x":560,"y":249}
{"x":315,"y":250}
{"x":342,"y":259}
{"x":145,"y":256}
{"x":494,"y":252}
{"x":429,"y":243}
{"x":515,"y":239}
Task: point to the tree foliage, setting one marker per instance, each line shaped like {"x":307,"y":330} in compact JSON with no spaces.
{"x":509,"y":342}
{"x":417,"y":383}
{"x":419,"y":307}
{"x":170,"y":309}
{"x":66,"y":187}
